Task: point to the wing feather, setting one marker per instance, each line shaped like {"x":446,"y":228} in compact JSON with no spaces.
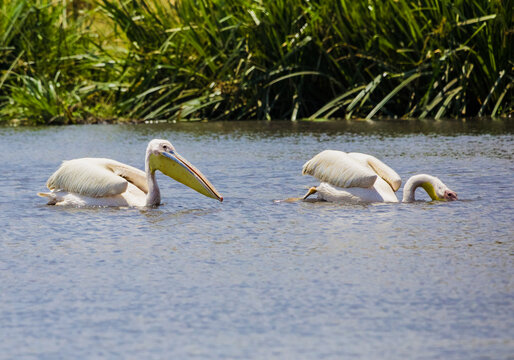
{"x":350,"y":169}
{"x":339,"y":169}
{"x":132,"y":174}
{"x":385,"y":172}
{"x":94,"y":177}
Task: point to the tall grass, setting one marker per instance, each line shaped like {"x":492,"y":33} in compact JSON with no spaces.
{"x":50,"y":69}
{"x":436,"y":58}
{"x":289,"y":59}
{"x":242,"y":59}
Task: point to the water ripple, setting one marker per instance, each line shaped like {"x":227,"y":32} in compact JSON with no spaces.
{"x":253,"y":278}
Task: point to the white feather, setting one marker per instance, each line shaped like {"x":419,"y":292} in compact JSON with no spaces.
{"x":133,"y":196}
{"x":350,"y":170}
{"x":96,"y":177}
{"x":356,"y":177}
{"x":385,"y":172}
{"x":379,"y":192}
{"x":106,"y":182}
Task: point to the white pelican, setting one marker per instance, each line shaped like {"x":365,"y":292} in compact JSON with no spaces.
{"x":355,"y":177}
{"x":106,"y":182}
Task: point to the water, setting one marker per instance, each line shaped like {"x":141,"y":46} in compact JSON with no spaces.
{"x":250,"y":278}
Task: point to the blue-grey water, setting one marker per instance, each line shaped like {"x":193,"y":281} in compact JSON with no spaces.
{"x":252,"y":278}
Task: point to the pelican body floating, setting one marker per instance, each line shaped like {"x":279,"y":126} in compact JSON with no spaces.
{"x":106,"y":182}
{"x":356,"y":177}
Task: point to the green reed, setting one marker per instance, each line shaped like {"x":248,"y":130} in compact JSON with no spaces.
{"x":244,"y":59}
{"x":51,"y":70}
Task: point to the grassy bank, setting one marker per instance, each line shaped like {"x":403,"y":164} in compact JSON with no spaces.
{"x":81,"y":61}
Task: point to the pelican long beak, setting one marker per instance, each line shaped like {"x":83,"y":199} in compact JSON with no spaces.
{"x":450,"y":195}
{"x":429,"y":188}
{"x":178,"y":168}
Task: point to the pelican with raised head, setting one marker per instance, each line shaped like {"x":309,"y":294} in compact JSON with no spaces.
{"x":357,"y":178}
{"x":106,"y":182}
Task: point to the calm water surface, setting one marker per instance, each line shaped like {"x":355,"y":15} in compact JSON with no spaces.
{"x":251,"y":278}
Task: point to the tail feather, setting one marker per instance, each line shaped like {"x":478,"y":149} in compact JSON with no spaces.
{"x":52,"y":198}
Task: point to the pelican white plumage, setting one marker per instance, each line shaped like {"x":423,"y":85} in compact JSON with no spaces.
{"x":356,"y":177}
{"x":106,"y":182}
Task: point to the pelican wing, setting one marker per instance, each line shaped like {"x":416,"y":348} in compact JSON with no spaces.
{"x":385,"y":172}
{"x":339,"y":169}
{"x":96,"y":177}
{"x":350,"y":170}
{"x":132,"y":174}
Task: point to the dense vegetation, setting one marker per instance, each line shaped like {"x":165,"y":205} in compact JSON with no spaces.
{"x":72,"y":61}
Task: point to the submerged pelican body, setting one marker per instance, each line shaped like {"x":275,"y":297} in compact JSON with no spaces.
{"x":106,"y":182}
{"x":357,"y":178}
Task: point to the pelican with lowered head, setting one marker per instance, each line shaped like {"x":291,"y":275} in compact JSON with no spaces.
{"x":357,"y":178}
{"x":106,"y":182}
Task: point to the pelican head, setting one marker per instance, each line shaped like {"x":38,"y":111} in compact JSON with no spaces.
{"x":162,"y":156}
{"x":434,"y":187}
{"x":437,"y":190}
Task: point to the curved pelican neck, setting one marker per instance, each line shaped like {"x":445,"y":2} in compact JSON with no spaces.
{"x":153,"y":197}
{"x":423,"y":180}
